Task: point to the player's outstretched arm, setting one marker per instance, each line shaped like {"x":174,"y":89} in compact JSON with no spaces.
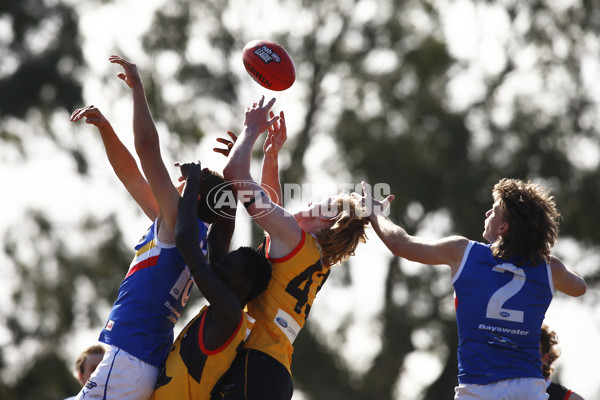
{"x":565,"y":279}
{"x":227,"y":310}
{"x":445,"y":251}
{"x":283,"y":229}
{"x":276,"y":137}
{"x":147,"y":146}
{"x":219,"y":236}
{"x":120,"y":159}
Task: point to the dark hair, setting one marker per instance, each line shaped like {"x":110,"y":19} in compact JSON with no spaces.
{"x":209,"y":194}
{"x":532,"y":219}
{"x":95,"y":349}
{"x":257,"y":270}
{"x":549,"y":345}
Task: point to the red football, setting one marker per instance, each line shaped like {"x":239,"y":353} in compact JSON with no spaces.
{"x":269,"y":64}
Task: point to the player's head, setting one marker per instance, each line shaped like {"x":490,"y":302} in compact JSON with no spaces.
{"x":345,"y":230}
{"x":87,"y":362}
{"x":246,"y":272}
{"x":212,"y":186}
{"x":549,"y":350}
{"x":531,"y":221}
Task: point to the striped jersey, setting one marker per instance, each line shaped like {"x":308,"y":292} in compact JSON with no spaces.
{"x":500,"y":308}
{"x":150,"y":299}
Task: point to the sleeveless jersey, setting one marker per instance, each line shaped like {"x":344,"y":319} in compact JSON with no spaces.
{"x":282,"y":309}
{"x":558,"y":392}
{"x":191,"y":371}
{"x":151,"y":299}
{"x":499,"y":312}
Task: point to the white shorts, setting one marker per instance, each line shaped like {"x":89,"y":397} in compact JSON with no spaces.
{"x":506,"y":389}
{"x":120,"y":376}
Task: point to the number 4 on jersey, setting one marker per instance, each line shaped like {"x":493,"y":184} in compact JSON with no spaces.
{"x":299,"y":287}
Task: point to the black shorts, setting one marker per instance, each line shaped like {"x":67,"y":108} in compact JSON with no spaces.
{"x":254,"y":375}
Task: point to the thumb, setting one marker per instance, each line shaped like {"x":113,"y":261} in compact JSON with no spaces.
{"x":385,"y":204}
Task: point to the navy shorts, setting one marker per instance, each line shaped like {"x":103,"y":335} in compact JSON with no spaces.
{"x":254,"y":375}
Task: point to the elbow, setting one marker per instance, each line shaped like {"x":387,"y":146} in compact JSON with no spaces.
{"x":575,"y":290}
{"x":145,"y":146}
{"x":235,"y":172}
{"x":229,"y":172}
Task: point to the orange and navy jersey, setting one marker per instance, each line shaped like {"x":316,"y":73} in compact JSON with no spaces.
{"x":192,"y":371}
{"x":281,"y":310}
{"x":151,"y":299}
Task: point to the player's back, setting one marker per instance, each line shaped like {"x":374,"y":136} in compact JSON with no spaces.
{"x":500,"y":308}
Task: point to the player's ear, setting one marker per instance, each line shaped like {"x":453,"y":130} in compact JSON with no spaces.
{"x":503,"y":228}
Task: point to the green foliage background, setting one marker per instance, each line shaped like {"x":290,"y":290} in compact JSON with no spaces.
{"x":380,"y":88}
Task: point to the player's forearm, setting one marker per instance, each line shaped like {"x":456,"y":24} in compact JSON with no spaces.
{"x":144,"y":129}
{"x":118,"y":155}
{"x":392,"y":235}
{"x":238,"y":164}
{"x":270,"y":179}
{"x":186,"y":227}
{"x":219,"y":238}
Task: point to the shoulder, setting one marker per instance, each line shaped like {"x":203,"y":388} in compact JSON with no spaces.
{"x":557,"y":267}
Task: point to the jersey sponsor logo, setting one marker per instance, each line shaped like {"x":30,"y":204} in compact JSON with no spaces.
{"x":90,"y":384}
{"x":183,"y":285}
{"x":109,"y":325}
{"x":287,"y":324}
{"x":174,"y":316}
{"x":503,"y":330}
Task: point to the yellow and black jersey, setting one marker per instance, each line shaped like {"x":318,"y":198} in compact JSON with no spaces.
{"x":281,"y":310}
{"x":191,"y":370}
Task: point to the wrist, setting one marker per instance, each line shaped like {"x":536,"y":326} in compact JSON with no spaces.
{"x":251,"y":131}
{"x":273,"y":158}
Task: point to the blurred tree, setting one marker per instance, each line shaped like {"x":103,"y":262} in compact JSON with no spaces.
{"x":404,"y":106}
{"x":41,"y":54}
{"x":61,"y":289}
{"x":53,"y":385}
{"x":381,"y":77}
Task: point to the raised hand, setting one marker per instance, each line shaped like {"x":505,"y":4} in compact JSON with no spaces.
{"x":190,"y":169}
{"x":256,"y":119}
{"x":276,"y":136}
{"x":131,"y":76}
{"x":371,"y":205}
{"x":91,"y":114}
{"x":228,"y":143}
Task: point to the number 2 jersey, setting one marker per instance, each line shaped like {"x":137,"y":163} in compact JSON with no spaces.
{"x":281,"y":310}
{"x":192,"y":370}
{"x":151,"y":299}
{"x":500,"y":308}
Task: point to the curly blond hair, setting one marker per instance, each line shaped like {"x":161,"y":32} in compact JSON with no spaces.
{"x":549,"y":345}
{"x":339,"y":241}
{"x":532,"y":217}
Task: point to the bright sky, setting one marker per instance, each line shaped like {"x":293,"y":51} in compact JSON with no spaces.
{"x":110,"y":26}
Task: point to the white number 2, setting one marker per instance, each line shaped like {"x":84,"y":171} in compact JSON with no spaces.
{"x":501,"y":296}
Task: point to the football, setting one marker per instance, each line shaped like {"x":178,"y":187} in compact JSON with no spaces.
{"x":269,"y":64}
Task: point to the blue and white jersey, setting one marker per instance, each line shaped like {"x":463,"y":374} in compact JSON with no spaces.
{"x":151,"y":299}
{"x":499,"y":311}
